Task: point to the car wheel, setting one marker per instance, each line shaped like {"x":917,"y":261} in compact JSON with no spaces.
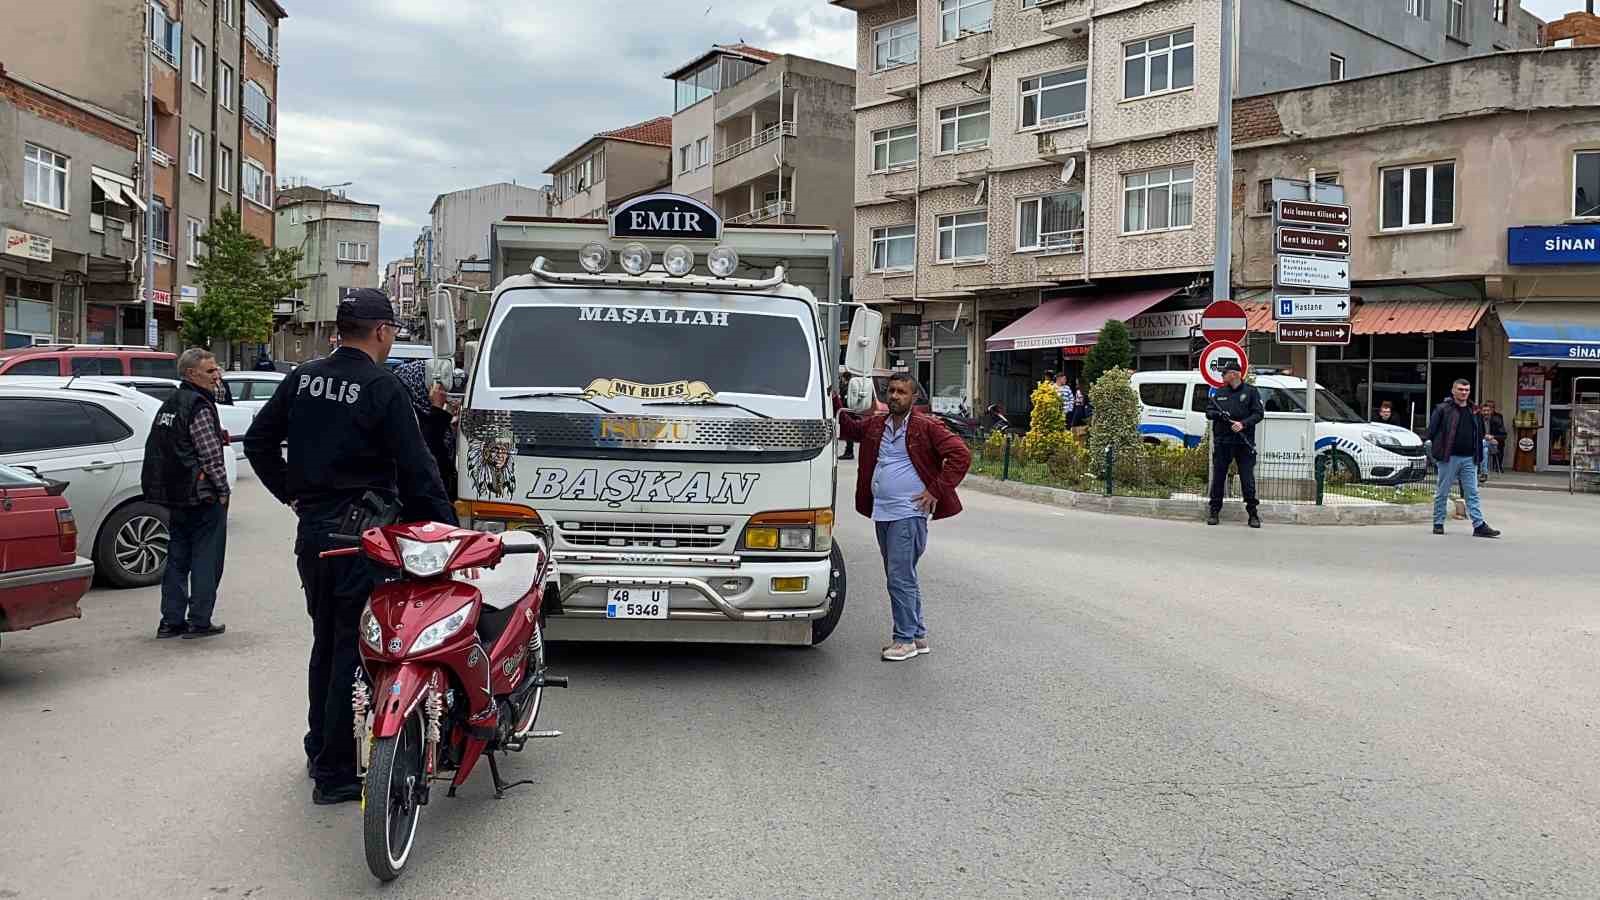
{"x":1343,"y":470}
{"x":131,"y":550}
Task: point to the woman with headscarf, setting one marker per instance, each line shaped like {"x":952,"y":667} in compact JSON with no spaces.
{"x":438,"y":428}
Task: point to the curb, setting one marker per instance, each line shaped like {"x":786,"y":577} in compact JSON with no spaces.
{"x":1274,"y":511}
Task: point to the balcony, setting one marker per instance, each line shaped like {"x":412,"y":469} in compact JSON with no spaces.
{"x":760,"y":139}
{"x":1062,"y":141}
{"x":763,"y":213}
{"x":1066,"y":18}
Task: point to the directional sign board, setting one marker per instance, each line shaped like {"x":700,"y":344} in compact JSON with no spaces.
{"x":1322,"y":215}
{"x":1302,"y":240}
{"x":1314,"y":272}
{"x":1224,"y":320}
{"x":1215,"y":358}
{"x":1320,"y":306}
{"x":1314,"y":333}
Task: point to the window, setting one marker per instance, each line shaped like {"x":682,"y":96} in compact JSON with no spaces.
{"x":197,"y":65}
{"x":1500,"y":11}
{"x":353,"y":251}
{"x":152,"y":367}
{"x":1051,"y":222}
{"x":958,"y":18}
{"x":1335,"y":67}
{"x":101,"y":206}
{"x":1266,"y":189}
{"x":683,"y":158}
{"x":599,"y":159}
{"x":195,"y":228}
{"x":30,"y":313}
{"x":224,"y":169}
{"x":1166,"y":396}
{"x":894,"y":147}
{"x":225,"y":12}
{"x":702,"y":149}
{"x":1158,"y":200}
{"x":894,"y":248}
{"x":1455,"y":21}
{"x":28,"y":425}
{"x":258,"y":30}
{"x":894,"y":45}
{"x":698,"y":85}
{"x":257,"y":105}
{"x":197,"y":154}
{"x":1054,"y":98}
{"x":1418,"y":8}
{"x":44,"y":177}
{"x":224,"y":85}
{"x":256,"y":184}
{"x":1419,"y":196}
{"x":963,"y":236}
{"x":166,"y":36}
{"x":964,"y":127}
{"x":161,"y":228}
{"x":1159,"y":64}
{"x":1586,"y":184}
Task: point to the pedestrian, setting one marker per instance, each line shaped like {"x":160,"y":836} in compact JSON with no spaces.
{"x":431,"y":404}
{"x":185,"y":471}
{"x":1456,"y":436}
{"x":910,"y":466}
{"x":1082,"y":412}
{"x":356,"y":459}
{"x":1385,"y":414}
{"x":1064,"y":391}
{"x":1494,"y":426}
{"x":1235,"y":409}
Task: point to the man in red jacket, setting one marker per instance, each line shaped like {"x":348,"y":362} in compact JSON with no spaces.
{"x":910,"y":466}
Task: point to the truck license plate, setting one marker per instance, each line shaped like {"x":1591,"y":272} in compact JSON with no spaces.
{"x":633,"y":603}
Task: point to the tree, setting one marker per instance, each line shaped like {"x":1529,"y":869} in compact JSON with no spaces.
{"x":1116,"y":413}
{"x":1112,"y":350}
{"x":239,"y":279}
{"x":1047,"y":427}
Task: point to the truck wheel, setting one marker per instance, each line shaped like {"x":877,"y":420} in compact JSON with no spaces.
{"x":131,"y":549}
{"x":821,"y":628}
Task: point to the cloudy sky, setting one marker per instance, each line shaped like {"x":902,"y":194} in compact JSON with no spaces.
{"x":408,"y":99}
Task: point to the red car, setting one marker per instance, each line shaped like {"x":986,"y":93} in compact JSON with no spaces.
{"x":88,"y":359}
{"x":42,"y":578}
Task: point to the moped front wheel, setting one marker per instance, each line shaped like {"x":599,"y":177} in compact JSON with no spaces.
{"x":391,"y":798}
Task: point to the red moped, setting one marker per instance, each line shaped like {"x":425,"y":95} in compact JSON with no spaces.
{"x":454,"y":669}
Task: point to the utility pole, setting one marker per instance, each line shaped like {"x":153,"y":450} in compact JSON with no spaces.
{"x":147,"y":172}
{"x":1221,"y":274}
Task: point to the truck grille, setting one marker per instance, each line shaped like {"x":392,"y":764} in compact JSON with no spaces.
{"x":635,"y":535}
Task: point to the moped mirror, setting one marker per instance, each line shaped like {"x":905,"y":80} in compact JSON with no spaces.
{"x":866,"y":339}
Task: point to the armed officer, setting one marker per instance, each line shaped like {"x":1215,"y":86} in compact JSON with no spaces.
{"x":356,"y":459}
{"x":1234,"y":411}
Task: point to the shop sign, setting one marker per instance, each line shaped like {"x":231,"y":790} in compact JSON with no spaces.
{"x":161,"y":298}
{"x":1576,"y":351}
{"x":1160,"y":326}
{"x":188,"y":294}
{"x":1553,"y":245}
{"x":666,"y":217}
{"x":29,"y":246}
{"x":1530,"y":390}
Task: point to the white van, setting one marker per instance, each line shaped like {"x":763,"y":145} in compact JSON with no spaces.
{"x":1173,"y":410}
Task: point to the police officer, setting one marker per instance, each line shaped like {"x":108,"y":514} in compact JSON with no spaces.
{"x":352,"y":436}
{"x":1234,"y":411}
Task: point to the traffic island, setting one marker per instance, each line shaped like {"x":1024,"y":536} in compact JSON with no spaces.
{"x":1193,"y":508}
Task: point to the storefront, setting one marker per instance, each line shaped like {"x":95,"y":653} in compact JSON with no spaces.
{"x":1553,"y":343}
{"x":936,"y":353}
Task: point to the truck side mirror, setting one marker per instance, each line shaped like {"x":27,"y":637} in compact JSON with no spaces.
{"x":866,"y":339}
{"x":858,"y":394}
{"x":442,"y":328}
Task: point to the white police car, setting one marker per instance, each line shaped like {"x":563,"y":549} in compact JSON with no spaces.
{"x":1173,"y":410}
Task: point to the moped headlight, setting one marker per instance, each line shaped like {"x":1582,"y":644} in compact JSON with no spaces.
{"x":441,"y":631}
{"x":371,"y":631}
{"x":423,"y":560}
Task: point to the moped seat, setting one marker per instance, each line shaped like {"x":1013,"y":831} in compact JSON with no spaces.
{"x":506,"y":584}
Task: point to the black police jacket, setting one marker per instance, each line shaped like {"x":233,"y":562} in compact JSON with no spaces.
{"x":1241,"y":404}
{"x":171,"y":472}
{"x":350,"y":429}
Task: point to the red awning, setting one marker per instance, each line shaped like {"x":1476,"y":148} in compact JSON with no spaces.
{"x":1075,"y":322}
{"x":1393,"y":316}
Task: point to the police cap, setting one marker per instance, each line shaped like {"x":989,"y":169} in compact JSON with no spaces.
{"x":366,"y":304}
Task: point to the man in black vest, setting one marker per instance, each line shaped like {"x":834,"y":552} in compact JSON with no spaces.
{"x":351,"y":433}
{"x":184,"y":470}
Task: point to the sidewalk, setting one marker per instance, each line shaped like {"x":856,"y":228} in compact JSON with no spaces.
{"x":1531,"y":481}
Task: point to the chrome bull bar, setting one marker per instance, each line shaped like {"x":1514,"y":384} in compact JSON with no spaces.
{"x":724,"y":609}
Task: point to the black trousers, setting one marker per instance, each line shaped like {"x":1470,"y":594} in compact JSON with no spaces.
{"x":195,"y":555}
{"x":336,"y":591}
{"x":1222,"y":456}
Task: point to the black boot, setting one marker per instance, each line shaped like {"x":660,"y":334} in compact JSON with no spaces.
{"x":1212,"y":518}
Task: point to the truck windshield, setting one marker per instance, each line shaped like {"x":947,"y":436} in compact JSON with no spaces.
{"x":650,"y":351}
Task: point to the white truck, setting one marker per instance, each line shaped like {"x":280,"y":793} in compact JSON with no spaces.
{"x":666,"y":421}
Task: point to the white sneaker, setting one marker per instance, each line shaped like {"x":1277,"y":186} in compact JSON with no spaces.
{"x":922,"y":646}
{"x":898,"y":652}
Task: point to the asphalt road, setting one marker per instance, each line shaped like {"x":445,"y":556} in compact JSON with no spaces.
{"x":1114,"y":708}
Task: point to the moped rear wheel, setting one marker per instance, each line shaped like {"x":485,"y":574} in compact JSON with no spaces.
{"x":391,"y":798}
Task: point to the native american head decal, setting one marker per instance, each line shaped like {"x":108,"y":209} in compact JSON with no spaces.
{"x":491,"y":465}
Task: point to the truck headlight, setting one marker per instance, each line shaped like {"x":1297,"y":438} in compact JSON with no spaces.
{"x":441,"y":631}
{"x":801,"y":529}
{"x":425,"y":559}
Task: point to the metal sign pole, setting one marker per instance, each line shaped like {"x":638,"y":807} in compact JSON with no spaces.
{"x":1311,"y":364}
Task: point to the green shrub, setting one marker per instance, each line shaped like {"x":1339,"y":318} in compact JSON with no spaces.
{"x":1071,"y":461}
{"x":1113,"y":349}
{"x":1116,"y":414}
{"x":1047,"y":426}
{"x":994,"y":448}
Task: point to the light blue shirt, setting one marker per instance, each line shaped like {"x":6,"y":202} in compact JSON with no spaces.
{"x":895,"y":482}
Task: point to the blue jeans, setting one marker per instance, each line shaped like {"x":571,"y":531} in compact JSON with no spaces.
{"x":902,"y":543}
{"x":199,"y":540}
{"x":1465,"y":470}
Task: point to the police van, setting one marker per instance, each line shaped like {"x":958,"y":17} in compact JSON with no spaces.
{"x":653,"y":394}
{"x":1173,"y":410}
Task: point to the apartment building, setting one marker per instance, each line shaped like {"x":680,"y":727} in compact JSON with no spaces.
{"x":1028,"y":169}
{"x":761,"y":137}
{"x":610,"y":167}
{"x":457,"y":237}
{"x":213,"y":79}
{"x":1474,"y":191}
{"x":400,"y":283}
{"x":338,"y":241}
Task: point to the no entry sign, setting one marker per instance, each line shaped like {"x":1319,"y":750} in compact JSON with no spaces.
{"x":1214,"y":360}
{"x":1224,"y":320}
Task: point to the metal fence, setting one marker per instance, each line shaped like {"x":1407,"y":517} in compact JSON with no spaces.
{"x":1167,"y":471}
